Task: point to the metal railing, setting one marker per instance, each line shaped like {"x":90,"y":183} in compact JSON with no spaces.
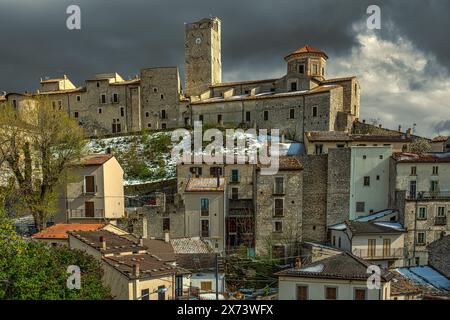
{"x":427,"y":195}
{"x":440,"y":221}
{"x":85,"y":214}
{"x":384,"y":253}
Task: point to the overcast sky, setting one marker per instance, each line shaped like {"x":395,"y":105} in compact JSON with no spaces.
{"x":403,"y":68}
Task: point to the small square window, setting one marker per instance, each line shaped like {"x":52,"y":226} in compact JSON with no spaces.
{"x":381,"y":157}
{"x":360,"y":206}
{"x":76,"y":114}
{"x":292,"y":113}
{"x":366,"y":181}
{"x":78,"y":98}
{"x":162,"y":97}
{"x":266,"y":115}
{"x":413,"y":171}
{"x":99,"y":110}
{"x":147,"y":114}
{"x":278,"y":226}
{"x":364,"y":157}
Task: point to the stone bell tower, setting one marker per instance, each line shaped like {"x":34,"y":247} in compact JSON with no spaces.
{"x":203,"y":55}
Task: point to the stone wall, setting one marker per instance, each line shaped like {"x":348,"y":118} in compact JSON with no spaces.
{"x":439,"y":256}
{"x":315,"y":198}
{"x":338,"y":197}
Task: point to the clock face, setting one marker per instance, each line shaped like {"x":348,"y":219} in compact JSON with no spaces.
{"x":198,"y":40}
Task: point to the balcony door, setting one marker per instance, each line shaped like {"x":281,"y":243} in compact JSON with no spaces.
{"x":386,"y":247}
{"x":412,"y":189}
{"x":89,"y":209}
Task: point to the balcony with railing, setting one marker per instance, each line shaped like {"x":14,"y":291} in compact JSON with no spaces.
{"x":440,"y":221}
{"x":85,"y":214}
{"x":428,"y":195}
{"x":379,"y":254}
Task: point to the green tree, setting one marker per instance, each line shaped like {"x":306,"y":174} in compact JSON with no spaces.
{"x":37,"y":144}
{"x":32,"y":270}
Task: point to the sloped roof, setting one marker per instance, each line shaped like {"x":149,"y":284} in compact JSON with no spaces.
{"x":440,"y":139}
{"x":59,"y":231}
{"x":307,"y":49}
{"x":205,"y":184}
{"x":149,"y":265}
{"x":340,"y":266}
{"x":189,"y":245}
{"x":197,"y":262}
{"x":286,"y":163}
{"x":425,"y":276}
{"x":404,"y":157}
{"x":95,"y":159}
{"x":345,"y":136}
{"x":160,"y":248}
{"x":357,"y":227}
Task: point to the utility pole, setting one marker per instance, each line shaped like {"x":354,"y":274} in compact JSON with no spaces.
{"x":217,"y":276}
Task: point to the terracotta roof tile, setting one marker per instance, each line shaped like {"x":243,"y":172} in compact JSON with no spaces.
{"x":59,"y":231}
{"x":404,"y":157}
{"x":440,"y":139}
{"x":286,"y":163}
{"x":307,"y":49}
{"x":94,"y":159}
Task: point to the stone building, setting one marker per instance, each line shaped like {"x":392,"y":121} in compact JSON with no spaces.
{"x":420,"y":189}
{"x":303,"y":99}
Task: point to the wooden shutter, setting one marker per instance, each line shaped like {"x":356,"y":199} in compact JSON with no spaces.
{"x":302,"y":293}
{"x":89,"y":182}
{"x":89,"y":209}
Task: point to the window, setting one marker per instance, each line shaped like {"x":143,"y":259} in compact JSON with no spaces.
{"x":378,"y":177}
{"x":356,"y":89}
{"x":89,"y":184}
{"x":381,"y":157}
{"x":219,"y":118}
{"x":292,"y":113}
{"x":149,"y":125}
{"x":75,"y":114}
{"x":163,"y":114}
{"x":314,"y":111}
{"x":441,"y":211}
{"x":206,"y":286}
{"x":89,"y":209}
{"x":234,"y":175}
{"x":339,"y":242}
{"x":103,"y":98}
{"x":179,"y":286}
{"x":122,"y":111}
{"x":302,"y":292}
{"x":366,"y":181}
{"x":293,"y":86}
{"x":246,"y":91}
{"x":278,"y":226}
{"x":98,"y":84}
{"x":371,"y":247}
{"x":162,"y":97}
{"x":205,"y":228}
{"x":99,"y":110}
{"x":279,"y":185}
{"x":318,"y":148}
{"x":145,"y":294}
{"x":196,"y":170}
{"x":413,"y":171}
{"x":334,"y":240}
{"x":360,"y":294}
{"x":163,"y":126}
{"x":200,"y":118}
{"x":166,"y":224}
{"x":434,"y":186}
{"x":364,"y":157}
{"x":115,"y":98}
{"x":162,"y":293}
{"x":301,"y":69}
{"x":266,"y":115}
{"x":234,"y":193}
{"x":386,"y":247}
{"x":204,"y":205}
{"x":278,"y":251}
{"x":14,"y":102}
{"x":412,"y":189}
{"x":247,"y":116}
{"x":422,"y":214}
{"x":147,"y":114}
{"x":78,"y":98}
{"x":315,"y":69}
{"x":435,"y":170}
{"x":340,"y":146}
{"x":421,"y":238}
{"x":155,"y":89}
{"x":323,"y":71}
{"x":360,"y":206}
{"x":330,"y":293}
{"x":215,"y":171}
{"x":278,"y":208}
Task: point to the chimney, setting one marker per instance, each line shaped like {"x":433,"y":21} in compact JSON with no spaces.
{"x":102,"y":243}
{"x":136,"y":270}
{"x":409,"y":132}
{"x":298,"y":263}
{"x":380,"y":126}
{"x":166,"y":237}
{"x":399,"y":128}
{"x":141,"y":241}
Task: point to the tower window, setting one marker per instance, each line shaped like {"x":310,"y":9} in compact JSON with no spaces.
{"x":115,"y":98}
{"x":315,"y":69}
{"x":292,"y":113}
{"x":163,"y":114}
{"x":266,"y":115}
{"x":162,"y":97}
{"x":103,"y":98}
{"x":219,"y":118}
{"x":314,"y":111}
{"x":99,"y":110}
{"x":76,"y":114}
{"x":301,"y":69}
{"x":147,"y":114}
{"x":78,"y":98}
{"x":122,"y":111}
{"x":247,"y":116}
{"x":200,"y":118}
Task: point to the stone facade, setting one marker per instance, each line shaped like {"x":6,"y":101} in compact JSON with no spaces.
{"x":439,"y":257}
{"x":315,"y":177}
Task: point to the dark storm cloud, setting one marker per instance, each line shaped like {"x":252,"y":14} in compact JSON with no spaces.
{"x":128,"y":35}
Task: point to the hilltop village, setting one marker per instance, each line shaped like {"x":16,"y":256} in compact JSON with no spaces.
{"x":348,"y":195}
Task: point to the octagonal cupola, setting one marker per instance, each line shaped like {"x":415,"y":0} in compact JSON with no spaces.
{"x":308,"y":62}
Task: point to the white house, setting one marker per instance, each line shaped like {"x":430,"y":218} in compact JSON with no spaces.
{"x":369,"y":179}
{"x":341,"y":276}
{"x":381,"y":243}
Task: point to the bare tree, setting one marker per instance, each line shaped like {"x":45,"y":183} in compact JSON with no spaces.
{"x":37,"y":144}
